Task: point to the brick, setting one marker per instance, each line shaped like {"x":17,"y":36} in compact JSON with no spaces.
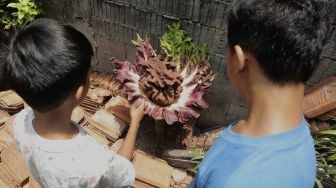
{"x":116,"y":146}
{"x":112,"y":48}
{"x":209,"y":38}
{"x":159,"y":22}
{"x":176,"y":4}
{"x":162,"y":7}
{"x":317,"y":86}
{"x":211,"y":17}
{"x":156,"y":5}
{"x":197,"y":33}
{"x":3,"y":184}
{"x":196,"y":11}
{"x":122,"y":12}
{"x":321,"y":100}
{"x":328,"y":116}
{"x":108,"y":123}
{"x":17,"y":168}
{"x":141,"y":184}
{"x":98,"y":135}
{"x":205,"y":140}
{"x":131,"y":53}
{"x":152,"y":170}
{"x":121,"y":112}
{"x":222,"y":44}
{"x":205,"y":6}
{"x":103,"y":62}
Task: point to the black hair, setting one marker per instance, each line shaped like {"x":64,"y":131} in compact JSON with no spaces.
{"x":285,"y":36}
{"x":47,"y":61}
{"x":4,"y":39}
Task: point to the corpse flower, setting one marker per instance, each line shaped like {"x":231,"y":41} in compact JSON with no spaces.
{"x":172,"y":92}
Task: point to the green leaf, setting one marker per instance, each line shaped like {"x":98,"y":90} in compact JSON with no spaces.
{"x":318,"y":184}
{"x":331,"y":172}
{"x":328,"y":132}
{"x":332,"y":157}
{"x":13,"y":5}
{"x":198,"y":158}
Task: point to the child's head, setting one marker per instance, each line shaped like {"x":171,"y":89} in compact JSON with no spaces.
{"x":47,"y":62}
{"x":284,"y":37}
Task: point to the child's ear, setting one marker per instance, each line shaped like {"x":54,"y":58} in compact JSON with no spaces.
{"x":241,"y":57}
{"x":82,"y":90}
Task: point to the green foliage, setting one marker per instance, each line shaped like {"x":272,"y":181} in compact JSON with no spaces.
{"x":178,"y":45}
{"x":325,"y":145}
{"x":17,"y":14}
{"x":197,"y":158}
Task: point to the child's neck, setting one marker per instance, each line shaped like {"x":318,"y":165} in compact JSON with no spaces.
{"x":55,"y":124}
{"x":272,"y":110}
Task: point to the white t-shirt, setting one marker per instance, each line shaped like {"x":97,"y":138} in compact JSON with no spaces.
{"x":78,"y":162}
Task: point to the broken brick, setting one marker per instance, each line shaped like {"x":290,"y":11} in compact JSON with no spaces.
{"x":140,"y":184}
{"x":321,"y":100}
{"x":152,"y":170}
{"x":119,"y":107}
{"x":116,"y":146}
{"x":16,"y":166}
{"x":108,"y":123}
{"x":328,"y":116}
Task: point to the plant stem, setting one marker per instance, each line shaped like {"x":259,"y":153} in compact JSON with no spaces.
{"x":160,"y":127}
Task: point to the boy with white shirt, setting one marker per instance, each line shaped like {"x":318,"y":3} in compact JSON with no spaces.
{"x":47,"y":65}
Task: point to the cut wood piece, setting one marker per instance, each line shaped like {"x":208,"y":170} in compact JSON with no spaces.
{"x":152,"y":170}
{"x":320,"y":101}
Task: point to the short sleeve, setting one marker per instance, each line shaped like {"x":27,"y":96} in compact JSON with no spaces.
{"x":120,"y":172}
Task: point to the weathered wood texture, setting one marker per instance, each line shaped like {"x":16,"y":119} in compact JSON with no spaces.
{"x":112,"y":24}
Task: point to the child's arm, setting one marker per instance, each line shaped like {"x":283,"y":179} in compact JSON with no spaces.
{"x":126,"y":150}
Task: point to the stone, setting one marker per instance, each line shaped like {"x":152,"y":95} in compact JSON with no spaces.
{"x":179,"y":175}
{"x":181,"y":154}
{"x":181,"y":163}
{"x":152,"y":170}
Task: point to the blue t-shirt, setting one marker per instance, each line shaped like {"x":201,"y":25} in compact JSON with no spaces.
{"x":285,"y":160}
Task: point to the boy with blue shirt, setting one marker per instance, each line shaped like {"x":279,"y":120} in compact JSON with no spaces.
{"x":274,"y":47}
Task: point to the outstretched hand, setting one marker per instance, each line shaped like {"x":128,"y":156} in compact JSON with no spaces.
{"x":138,"y":113}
